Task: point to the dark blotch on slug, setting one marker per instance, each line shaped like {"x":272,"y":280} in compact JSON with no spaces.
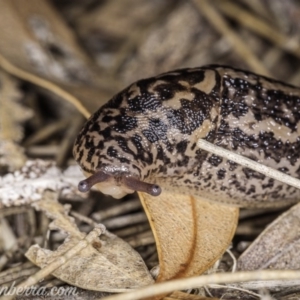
{"x":181,"y":147}
{"x":167,"y":91}
{"x":124,"y":123}
{"x":221,"y":174}
{"x":253,"y":174}
{"x":215,"y":160}
{"x":157,"y":131}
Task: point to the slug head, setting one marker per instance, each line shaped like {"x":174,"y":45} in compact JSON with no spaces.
{"x":147,"y":133}
{"x":112,"y":153}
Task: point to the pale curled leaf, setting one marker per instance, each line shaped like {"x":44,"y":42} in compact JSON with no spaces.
{"x":277,"y":247}
{"x":191,"y":234}
{"x":109,"y":265}
{"x":27,"y":185}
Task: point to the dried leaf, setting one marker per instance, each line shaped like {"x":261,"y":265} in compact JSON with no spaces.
{"x":12,"y":115}
{"x":277,"y":247}
{"x":191,"y":234}
{"x":44,"y":51}
{"x":27,"y":185}
{"x":109,"y":265}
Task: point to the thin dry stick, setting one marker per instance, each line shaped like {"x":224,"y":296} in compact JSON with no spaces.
{"x":58,"y":262}
{"x":259,"y":8}
{"x":47,"y":131}
{"x":126,"y":220}
{"x":40,"y":151}
{"x":219,"y":286}
{"x":137,"y":37}
{"x":8,"y":275}
{"x":144,"y":241}
{"x":17,"y":275}
{"x":122,"y":208}
{"x":239,"y":46}
{"x":68,"y":139}
{"x":132,"y":230}
{"x":145,"y":238}
{"x":11,"y":69}
{"x":260,"y":27}
{"x":83,"y":218}
{"x":246,"y":162}
{"x":295,"y":79}
{"x":271,"y":285}
{"x":196,"y":282}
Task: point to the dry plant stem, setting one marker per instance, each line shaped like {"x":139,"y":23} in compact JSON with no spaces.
{"x":68,"y":140}
{"x":15,"y":273}
{"x":196,"y":282}
{"x":283,"y":20}
{"x":260,"y":27}
{"x":13,"y":210}
{"x":272,"y":285}
{"x":133,"y":230}
{"x":234,"y":261}
{"x":13,"y":70}
{"x":53,"y":282}
{"x":150,"y":254}
{"x":20,"y":221}
{"x":44,"y":230}
{"x":125,"y":220}
{"x":218,"y":286}
{"x":248,"y":163}
{"x":6,"y":257}
{"x":259,"y":8}
{"x":40,"y":275}
{"x":141,"y":241}
{"x":83,"y":218}
{"x":137,"y":37}
{"x":295,"y":79}
{"x":239,"y":46}
{"x":17,"y":276}
{"x":46,"y":132}
{"x":86,"y":208}
{"x":40,"y":151}
{"x":255,"y":212}
{"x":272,"y":57}
{"x":31,"y":221}
{"x":117,"y":210}
{"x":246,"y":230}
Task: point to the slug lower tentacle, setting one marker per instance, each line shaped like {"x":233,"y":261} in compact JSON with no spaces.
{"x":140,"y":186}
{"x":86,"y":185}
{"x":145,"y":137}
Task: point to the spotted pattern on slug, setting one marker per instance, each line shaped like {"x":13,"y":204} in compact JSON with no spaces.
{"x":150,"y":129}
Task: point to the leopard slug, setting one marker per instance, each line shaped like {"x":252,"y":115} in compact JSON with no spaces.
{"x":145,"y":137}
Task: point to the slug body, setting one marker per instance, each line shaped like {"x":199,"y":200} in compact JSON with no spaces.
{"x":145,"y":137}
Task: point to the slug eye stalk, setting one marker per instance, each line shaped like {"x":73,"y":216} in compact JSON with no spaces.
{"x":130,"y":182}
{"x":141,"y":186}
{"x":86,"y":184}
